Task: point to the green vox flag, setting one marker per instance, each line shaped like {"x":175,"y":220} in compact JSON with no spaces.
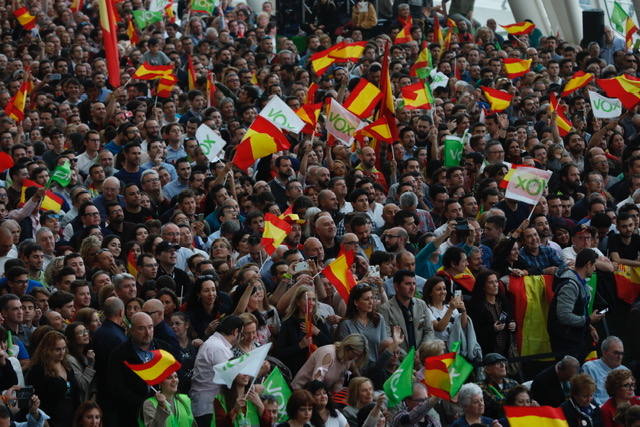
{"x":459,"y":370}
{"x":144,"y":18}
{"x":400,"y":384}
{"x":61,"y":174}
{"x":618,"y":16}
{"x":203,"y":6}
{"x":276,"y":385}
{"x":592,"y":283}
{"x":453,"y":147}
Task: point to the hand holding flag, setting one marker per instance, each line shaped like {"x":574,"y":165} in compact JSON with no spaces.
{"x":61,"y":174}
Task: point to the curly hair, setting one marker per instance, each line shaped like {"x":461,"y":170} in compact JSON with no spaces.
{"x":615,"y":380}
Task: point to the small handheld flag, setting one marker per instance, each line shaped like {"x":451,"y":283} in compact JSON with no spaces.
{"x":158,"y":369}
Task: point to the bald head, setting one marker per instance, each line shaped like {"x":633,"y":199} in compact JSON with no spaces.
{"x":6,"y":241}
{"x":155,"y":309}
{"x":113,"y":308}
{"x":141,"y":330}
{"x":313,"y":248}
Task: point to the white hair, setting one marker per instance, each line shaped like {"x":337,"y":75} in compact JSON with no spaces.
{"x":468,"y":392}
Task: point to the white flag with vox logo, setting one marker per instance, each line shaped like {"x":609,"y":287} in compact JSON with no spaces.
{"x":210,"y":141}
{"x":527,"y":184}
{"x":283,"y":117}
{"x":342,"y":123}
{"x":603,"y":107}
{"x":247,"y":364}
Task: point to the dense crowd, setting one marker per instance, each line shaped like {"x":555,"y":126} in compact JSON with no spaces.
{"x":154,"y":246}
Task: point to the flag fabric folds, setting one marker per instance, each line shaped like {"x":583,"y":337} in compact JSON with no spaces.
{"x":532,"y":296}
{"x":516,"y":67}
{"x":340,"y":275}
{"x":276,"y":386}
{"x":275,"y":231}
{"x":158,"y":369}
{"x":191,"y":74}
{"x":404,"y":35}
{"x":505,"y":180}
{"x":627,"y":283}
{"x":519,"y":28}
{"x":109,"y":28}
{"x":247,"y":364}
{"x":400,"y":384}
{"x":348,"y":52}
{"x":562,"y":122}
{"x":281,"y":115}
{"x":6,"y":161}
{"x":498,"y":99}
{"x":203,"y":6}
{"x":76,"y":6}
{"x":321,"y":61}
{"x":152,"y":72}
{"x":618,"y":17}
{"x":50,"y":202}
{"x":625,"y":87}
{"x":132,"y":263}
{"x":387,"y":106}
{"x":629,"y":30}
{"x":165,"y":86}
{"x":379,"y":129}
{"x":61,"y":174}
{"x":453,"y":148}
{"x":579,"y":80}
{"x":18,"y":103}
{"x":364,"y":97}
{"x":309,"y":113}
{"x":444,"y":375}
{"x":423,"y":64}
{"x":539,"y":416}
{"x":527,"y":185}
{"x":144,"y":18}
{"x":261,"y":139}
{"x":27,"y":20}
{"x":211,"y":88}
{"x":132,"y":33}
{"x":416,"y":97}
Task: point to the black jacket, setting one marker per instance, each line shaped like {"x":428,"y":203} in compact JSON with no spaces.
{"x":576,"y":418}
{"x":546,"y":388}
{"x":286,"y":347}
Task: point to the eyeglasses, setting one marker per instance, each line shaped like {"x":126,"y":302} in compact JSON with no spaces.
{"x":629,"y":385}
{"x":151,"y":313}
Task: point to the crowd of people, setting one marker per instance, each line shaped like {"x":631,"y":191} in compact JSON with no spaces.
{"x":153,"y":246}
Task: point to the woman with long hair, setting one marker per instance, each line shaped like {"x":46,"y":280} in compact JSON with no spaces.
{"x":301,"y":330}
{"x":169,"y":300}
{"x":88,"y":414}
{"x":444,"y":309}
{"x":324,"y":413}
{"x":252,"y":298}
{"x":181,"y":326}
{"x":112,"y":242}
{"x":238,"y":405}
{"x":221,"y":249}
{"x":81,"y":358}
{"x":330,"y":363}
{"x":90,"y":318}
{"x":360,"y":395}
{"x":168,"y":407}
{"x":53,"y":380}
{"x":203,"y":305}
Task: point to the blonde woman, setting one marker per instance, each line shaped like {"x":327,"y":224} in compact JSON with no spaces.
{"x":360,"y":395}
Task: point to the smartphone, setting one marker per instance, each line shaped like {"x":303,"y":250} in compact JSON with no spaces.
{"x":503,"y":317}
{"x":24,"y":397}
{"x":54,"y":77}
{"x":457,"y":293}
{"x":374,"y":271}
{"x":301,"y":266}
{"x":604,"y":310}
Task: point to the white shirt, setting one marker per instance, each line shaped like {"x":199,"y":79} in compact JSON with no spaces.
{"x":376,"y":215}
{"x":569,"y":254}
{"x":85,"y":162}
{"x":215,"y":350}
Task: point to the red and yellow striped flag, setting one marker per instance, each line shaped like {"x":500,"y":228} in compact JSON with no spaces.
{"x":132,"y":33}
{"x":275,"y":231}
{"x":27,"y":20}
{"x":109,"y":28}
{"x":168,"y":11}
{"x":379,"y":130}
{"x":340,"y":275}
{"x":166,"y":85}
{"x":416,"y":97}
{"x":16,"y":106}
{"x":519,"y":28}
{"x":539,"y":416}
{"x":563,"y":123}
{"x":156,"y":370}
{"x":363,"y":99}
{"x":626,"y":88}
{"x":152,"y":72}
{"x":629,"y":30}
{"x":498,"y":99}
{"x":423,"y":62}
{"x":627,"y":283}
{"x":437,"y":33}
{"x":404,"y":35}
{"x":311,"y":93}
{"x":309,"y":113}
{"x":191,"y":74}
{"x":132,"y":263}
{"x":261,"y":139}
{"x":579,"y":80}
{"x":516,"y":67}
{"x":349,"y":52}
{"x":321,"y":61}
{"x":76,"y":6}
{"x":211,"y":88}
{"x":50,"y":202}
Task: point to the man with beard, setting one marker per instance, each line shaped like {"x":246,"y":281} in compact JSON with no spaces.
{"x":155,"y":154}
{"x":395,"y":240}
{"x":105,"y":159}
{"x":624,"y":248}
{"x":422,"y":128}
{"x":134,"y":211}
{"x":131,"y":170}
{"x":569,"y":183}
{"x":278,"y":185}
{"x":150,"y":181}
{"x":575,"y":146}
{"x":128,"y":132}
{"x":368,"y":167}
{"x":541,"y":224}
{"x":95,"y":180}
{"x":116,"y":223}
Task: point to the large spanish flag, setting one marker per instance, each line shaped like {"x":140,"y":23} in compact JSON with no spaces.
{"x":416,"y":97}
{"x":579,"y":80}
{"x":531,"y":298}
{"x":498,"y":99}
{"x":363,"y":99}
{"x":538,"y":416}
{"x":321,"y":61}
{"x":27,"y":20}
{"x":516,"y":67}
{"x":348,"y":52}
{"x":275,"y":231}
{"x":340,"y":275}
{"x":156,"y":370}
{"x":152,"y":72}
{"x":519,"y":28}
{"x":109,"y":28}
{"x":50,"y":202}
{"x":562,"y":122}
{"x":379,"y":129}
{"x":18,"y":103}
{"x":627,"y":283}
{"x":404,"y":35}
{"x":625,"y":87}
{"x":261,"y":139}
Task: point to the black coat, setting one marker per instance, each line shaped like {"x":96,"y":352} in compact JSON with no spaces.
{"x":128,"y":391}
{"x":287,"y":348}
{"x":58,"y":398}
{"x":576,"y":418}
{"x":546,"y":388}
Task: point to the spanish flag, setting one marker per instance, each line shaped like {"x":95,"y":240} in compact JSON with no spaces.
{"x":387,"y":106}
{"x":165,"y":86}
{"x":563,"y":123}
{"x":6,"y":161}
{"x":515,"y":67}
{"x":275,"y":231}
{"x":423,"y":63}
{"x":539,"y":416}
{"x":132,"y":33}
{"x":519,"y":28}
{"x":27,"y":20}
{"x":50,"y":202}
{"x":444,"y":375}
{"x":363,"y":99}
{"x":261,"y":139}
{"x":579,"y":80}
{"x":437,"y":33}
{"x":625,"y":87}
{"x":627,"y":283}
{"x":321,"y":61}
{"x":404,"y":35}
{"x":349,"y":52}
{"x":498,"y":99}
{"x":132,"y":263}
{"x":379,"y":130}
{"x":156,"y":370}
{"x":340,"y":275}
{"x":416,"y":97}
{"x":309,"y":113}
{"x":531,"y":298}
{"x":311,"y":93}
{"x":169,"y":12}
{"x":451,"y":24}
{"x":18,"y":103}
{"x":290,"y":217}
{"x":191,"y":74}
{"x":76,"y":6}
{"x":211,"y":88}
{"x":109,"y":28}
{"x":629,"y":30}
{"x":152,"y":72}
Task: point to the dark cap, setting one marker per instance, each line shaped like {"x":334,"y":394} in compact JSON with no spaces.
{"x":492,"y":358}
{"x":165,"y":246}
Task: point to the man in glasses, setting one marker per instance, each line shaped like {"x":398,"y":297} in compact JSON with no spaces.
{"x":612,"y":353}
{"x":161,"y":330}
